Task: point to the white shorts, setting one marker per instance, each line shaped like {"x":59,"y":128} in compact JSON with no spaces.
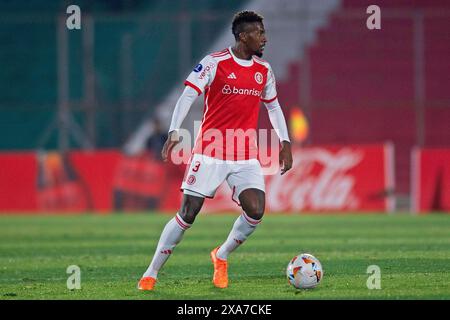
{"x":205,"y":174}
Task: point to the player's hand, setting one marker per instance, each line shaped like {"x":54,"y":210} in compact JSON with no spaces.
{"x":285,"y":157}
{"x":172,"y":140}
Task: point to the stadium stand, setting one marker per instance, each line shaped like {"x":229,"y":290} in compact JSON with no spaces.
{"x":362,"y":81}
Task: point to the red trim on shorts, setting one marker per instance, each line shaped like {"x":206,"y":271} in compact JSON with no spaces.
{"x":209,"y":197}
{"x":190,"y":84}
{"x":232,"y":196}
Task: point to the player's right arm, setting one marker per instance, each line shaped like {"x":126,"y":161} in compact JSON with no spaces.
{"x":182,"y":107}
{"x":196,"y":83}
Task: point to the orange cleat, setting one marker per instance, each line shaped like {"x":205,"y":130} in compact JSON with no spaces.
{"x":220,"y":278}
{"x":146,"y":283}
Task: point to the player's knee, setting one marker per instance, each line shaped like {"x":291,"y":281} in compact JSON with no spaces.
{"x":253,"y":202}
{"x":188,"y":213}
{"x":254,"y":209}
{"x":190,"y":208}
{"x":255,"y":214}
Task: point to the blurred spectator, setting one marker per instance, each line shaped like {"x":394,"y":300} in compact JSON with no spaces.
{"x":156,"y":140}
{"x":135,"y":188}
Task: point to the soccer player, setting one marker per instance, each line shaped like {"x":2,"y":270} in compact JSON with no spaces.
{"x":234,"y":81}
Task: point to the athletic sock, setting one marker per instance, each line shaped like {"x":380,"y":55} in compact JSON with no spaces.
{"x":242,"y":228}
{"x":170,"y":237}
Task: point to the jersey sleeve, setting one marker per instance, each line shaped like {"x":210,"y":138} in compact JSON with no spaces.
{"x":202,"y":75}
{"x":269,"y":93}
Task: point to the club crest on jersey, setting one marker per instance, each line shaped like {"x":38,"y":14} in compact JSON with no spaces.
{"x":190,"y":180}
{"x":258,"y":77}
{"x":198,"y":68}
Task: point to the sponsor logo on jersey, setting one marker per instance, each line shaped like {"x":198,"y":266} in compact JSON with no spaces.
{"x":232,"y":76}
{"x":258,"y":77}
{"x":208,"y":68}
{"x":198,"y":68}
{"x":227,"y":89}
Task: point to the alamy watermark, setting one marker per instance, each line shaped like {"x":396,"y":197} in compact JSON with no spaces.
{"x":74,"y":20}
{"x":74,"y":280}
{"x":374,"y":20}
{"x":231,"y":145}
{"x":374,"y":280}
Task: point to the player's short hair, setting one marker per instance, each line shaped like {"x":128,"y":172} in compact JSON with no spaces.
{"x":241,"y":19}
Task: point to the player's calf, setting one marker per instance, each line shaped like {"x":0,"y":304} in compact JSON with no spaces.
{"x":170,"y":237}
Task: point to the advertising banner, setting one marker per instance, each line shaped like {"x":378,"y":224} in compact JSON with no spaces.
{"x":430,"y":180}
{"x":323,"y":179}
{"x":328,"y":178}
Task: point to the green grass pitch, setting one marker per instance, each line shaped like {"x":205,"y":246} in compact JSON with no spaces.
{"x":413,"y":253}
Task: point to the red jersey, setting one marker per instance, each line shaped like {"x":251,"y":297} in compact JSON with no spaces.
{"x":234,"y":89}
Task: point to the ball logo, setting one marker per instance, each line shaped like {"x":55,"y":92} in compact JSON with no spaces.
{"x":190,"y":180}
{"x":258,"y":78}
{"x":226,"y":89}
{"x":198,"y":67}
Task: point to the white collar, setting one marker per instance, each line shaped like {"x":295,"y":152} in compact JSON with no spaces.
{"x":242,"y":62}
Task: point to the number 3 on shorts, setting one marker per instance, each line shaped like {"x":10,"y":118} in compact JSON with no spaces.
{"x":197,"y":166}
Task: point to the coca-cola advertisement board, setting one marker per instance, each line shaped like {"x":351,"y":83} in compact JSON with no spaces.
{"x":327,"y":178}
{"x":322,"y":179}
{"x":430,"y":180}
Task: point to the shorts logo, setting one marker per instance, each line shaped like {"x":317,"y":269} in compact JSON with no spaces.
{"x":258,"y":77}
{"x":198,"y":68}
{"x":190,"y":180}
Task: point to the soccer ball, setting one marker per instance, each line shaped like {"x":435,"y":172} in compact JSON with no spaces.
{"x":304,"y":271}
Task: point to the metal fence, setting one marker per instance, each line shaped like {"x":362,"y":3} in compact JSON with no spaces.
{"x":91,"y":88}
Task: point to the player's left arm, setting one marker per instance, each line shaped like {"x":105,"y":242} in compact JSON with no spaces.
{"x":276,"y":116}
{"x":278,"y":122}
